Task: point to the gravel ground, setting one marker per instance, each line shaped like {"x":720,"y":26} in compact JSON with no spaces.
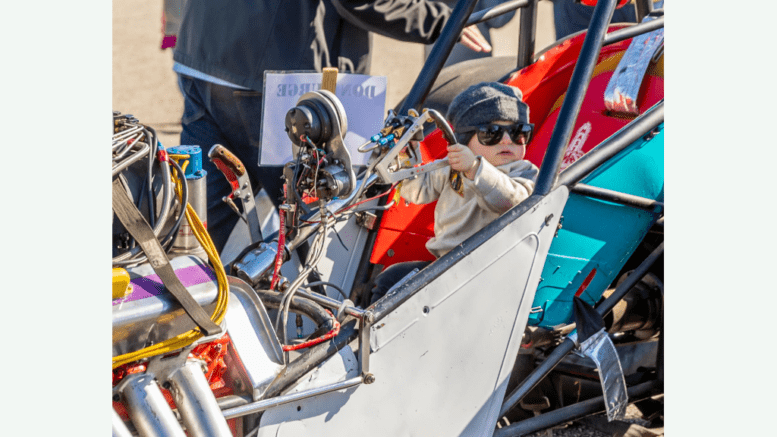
{"x":597,"y":426}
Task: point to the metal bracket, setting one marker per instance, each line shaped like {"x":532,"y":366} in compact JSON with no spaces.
{"x":364,"y":347}
{"x":389,"y":175}
{"x":601,"y":350}
{"x":237,"y":176}
{"x":366,"y":219}
{"x":341,"y":314}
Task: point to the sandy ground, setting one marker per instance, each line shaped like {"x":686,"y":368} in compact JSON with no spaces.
{"x":144,"y":83}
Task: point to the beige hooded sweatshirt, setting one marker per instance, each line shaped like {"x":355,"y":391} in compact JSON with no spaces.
{"x":493,"y":191}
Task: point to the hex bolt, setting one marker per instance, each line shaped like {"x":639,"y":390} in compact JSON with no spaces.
{"x":369,"y":378}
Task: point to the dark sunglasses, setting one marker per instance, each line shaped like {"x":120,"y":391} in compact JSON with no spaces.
{"x":491,"y":134}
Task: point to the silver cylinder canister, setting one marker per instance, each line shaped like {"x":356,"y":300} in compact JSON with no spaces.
{"x":196,"y":183}
{"x":195,"y":401}
{"x":257,"y":264}
{"x":185,"y":239}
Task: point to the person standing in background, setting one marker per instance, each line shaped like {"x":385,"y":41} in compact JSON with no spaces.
{"x":172,"y":14}
{"x":570,"y":16}
{"x":462,"y":53}
{"x":224,"y":47}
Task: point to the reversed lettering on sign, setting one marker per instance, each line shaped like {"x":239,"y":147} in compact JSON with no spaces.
{"x":293,"y":89}
{"x":362,"y":97}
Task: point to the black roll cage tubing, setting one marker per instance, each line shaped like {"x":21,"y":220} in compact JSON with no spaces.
{"x":548,"y":179}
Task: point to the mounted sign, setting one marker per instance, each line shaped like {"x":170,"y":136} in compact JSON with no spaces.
{"x":362,"y":96}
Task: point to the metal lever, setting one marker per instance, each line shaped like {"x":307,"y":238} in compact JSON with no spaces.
{"x":415,"y":171}
{"x":427,"y":115}
{"x":236,"y":175}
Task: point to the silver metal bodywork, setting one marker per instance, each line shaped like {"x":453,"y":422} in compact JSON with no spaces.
{"x":344,"y":248}
{"x":449,"y":347}
{"x":137,"y":322}
{"x":258,"y":352}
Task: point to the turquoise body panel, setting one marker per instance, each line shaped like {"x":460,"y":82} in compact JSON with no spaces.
{"x":599,"y":235}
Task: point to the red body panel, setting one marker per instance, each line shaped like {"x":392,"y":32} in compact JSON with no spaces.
{"x":599,"y":125}
{"x":405,"y":228}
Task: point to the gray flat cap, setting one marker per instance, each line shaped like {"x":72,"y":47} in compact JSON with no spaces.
{"x":487,"y":102}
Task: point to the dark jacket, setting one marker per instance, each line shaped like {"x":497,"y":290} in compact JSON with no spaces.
{"x":237,"y":40}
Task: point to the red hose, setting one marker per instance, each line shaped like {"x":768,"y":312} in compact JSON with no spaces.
{"x":335,"y":330}
{"x":281,"y":244}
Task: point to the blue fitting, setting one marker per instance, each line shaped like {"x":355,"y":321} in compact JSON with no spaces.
{"x":194,"y":169}
{"x":375,"y":138}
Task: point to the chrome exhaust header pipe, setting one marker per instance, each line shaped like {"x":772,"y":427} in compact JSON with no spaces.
{"x":119,"y":429}
{"x":148,"y":408}
{"x":195,"y":401}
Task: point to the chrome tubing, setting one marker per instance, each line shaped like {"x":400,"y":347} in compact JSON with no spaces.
{"x":137,"y":156}
{"x":330,"y":303}
{"x":118,"y":428}
{"x":195,"y":401}
{"x":258,"y":406}
{"x":148,"y":408}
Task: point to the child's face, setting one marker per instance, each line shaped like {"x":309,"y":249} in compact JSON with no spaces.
{"x":506,"y":151}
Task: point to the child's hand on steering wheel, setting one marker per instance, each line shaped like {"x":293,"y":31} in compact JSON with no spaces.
{"x":462,"y":159}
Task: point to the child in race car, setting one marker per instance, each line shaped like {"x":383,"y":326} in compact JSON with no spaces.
{"x":487,"y":174}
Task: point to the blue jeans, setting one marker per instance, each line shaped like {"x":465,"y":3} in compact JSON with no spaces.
{"x":215,"y":114}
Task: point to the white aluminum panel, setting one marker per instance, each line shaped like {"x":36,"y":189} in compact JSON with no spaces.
{"x":442,"y":359}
